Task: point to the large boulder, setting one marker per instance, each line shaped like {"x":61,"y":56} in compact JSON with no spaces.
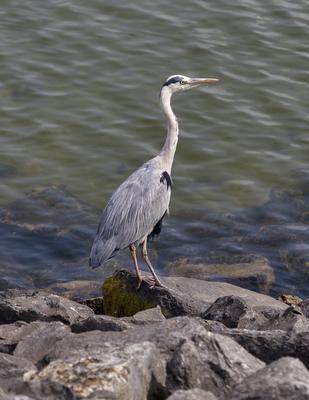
{"x":182,"y":296}
{"x":286,"y":378}
{"x":191,"y":356}
{"x":29,"y":305}
{"x":210,"y":362}
{"x":123,"y":372}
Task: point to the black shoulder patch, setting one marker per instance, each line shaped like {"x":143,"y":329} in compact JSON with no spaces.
{"x":165,"y":177}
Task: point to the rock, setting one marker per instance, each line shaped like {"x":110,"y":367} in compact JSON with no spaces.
{"x":210,"y":362}
{"x":12,"y":370}
{"x":183,"y":296}
{"x":166,"y":336}
{"x":10,"y":335}
{"x":233,"y":312}
{"x":33,"y":335}
{"x":152,"y":315}
{"x":230,"y":310}
{"x":95,"y":303}
{"x":269,"y":346}
{"x":250,"y":270}
{"x":45,"y":389}
{"x":128,"y":372}
{"x":100,"y":323}
{"x":192,"y":394}
{"x":36,"y":344}
{"x":291,"y":319}
{"x":290,"y":299}
{"x":304,"y":305}
{"x":286,"y":378}
{"x":31,"y":305}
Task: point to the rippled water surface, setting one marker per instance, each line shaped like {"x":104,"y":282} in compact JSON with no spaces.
{"x":79,"y":85}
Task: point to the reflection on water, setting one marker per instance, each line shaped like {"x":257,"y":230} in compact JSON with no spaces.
{"x":79,"y":107}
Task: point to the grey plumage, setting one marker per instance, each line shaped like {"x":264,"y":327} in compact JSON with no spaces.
{"x":132,"y":212}
{"x":142,"y":200}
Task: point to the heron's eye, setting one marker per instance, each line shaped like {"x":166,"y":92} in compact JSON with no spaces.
{"x":182,"y":82}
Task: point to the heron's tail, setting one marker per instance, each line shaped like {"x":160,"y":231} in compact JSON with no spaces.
{"x":101,"y":251}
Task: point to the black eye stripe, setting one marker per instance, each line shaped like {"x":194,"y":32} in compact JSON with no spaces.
{"x":174,"y":79}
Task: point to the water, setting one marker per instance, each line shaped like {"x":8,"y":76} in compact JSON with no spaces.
{"x":79,"y":87}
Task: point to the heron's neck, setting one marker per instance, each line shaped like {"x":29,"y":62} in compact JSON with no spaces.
{"x":169,"y":147}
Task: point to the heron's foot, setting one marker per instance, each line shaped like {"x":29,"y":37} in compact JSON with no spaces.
{"x":156,"y":283}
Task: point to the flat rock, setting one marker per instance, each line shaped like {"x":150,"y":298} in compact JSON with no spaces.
{"x":150,"y":316}
{"x":100,"y":323}
{"x":286,"y":378}
{"x":28,"y":305}
{"x":192,"y":394}
{"x":182,"y":296}
{"x":210,"y":362}
{"x":128,"y":372}
{"x":250,"y":270}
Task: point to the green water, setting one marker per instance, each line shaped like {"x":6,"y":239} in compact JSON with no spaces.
{"x":79,"y":84}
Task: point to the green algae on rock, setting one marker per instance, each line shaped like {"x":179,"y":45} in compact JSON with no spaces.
{"x":119,"y":300}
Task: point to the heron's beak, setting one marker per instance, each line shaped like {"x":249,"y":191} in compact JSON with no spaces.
{"x":200,"y":81}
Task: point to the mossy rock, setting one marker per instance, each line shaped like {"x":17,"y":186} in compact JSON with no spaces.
{"x":120,"y":299}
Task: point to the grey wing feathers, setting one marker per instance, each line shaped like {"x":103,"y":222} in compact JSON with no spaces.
{"x":132,"y":212}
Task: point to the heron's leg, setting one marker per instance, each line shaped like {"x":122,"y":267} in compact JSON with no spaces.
{"x":147,"y":261}
{"x":137,"y":270}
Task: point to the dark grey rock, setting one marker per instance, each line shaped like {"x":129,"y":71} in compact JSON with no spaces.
{"x":252,"y":320}
{"x":12,"y":370}
{"x":271,"y":345}
{"x":304,"y":305}
{"x":286,"y":378}
{"x":123,"y":372}
{"x":100,"y":323}
{"x":10,"y":335}
{"x":292,"y":319}
{"x":152,"y":315}
{"x":31,"y":305}
{"x":166,"y":336}
{"x":192,"y":394}
{"x":228,"y":310}
{"x":210,"y":362}
{"x":34,"y":345}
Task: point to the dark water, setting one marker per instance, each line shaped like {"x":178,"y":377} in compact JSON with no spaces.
{"x":79,"y":89}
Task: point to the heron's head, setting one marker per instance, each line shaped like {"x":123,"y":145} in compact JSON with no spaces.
{"x":176,"y":83}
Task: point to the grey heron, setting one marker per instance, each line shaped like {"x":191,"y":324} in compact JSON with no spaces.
{"x":136,"y":209}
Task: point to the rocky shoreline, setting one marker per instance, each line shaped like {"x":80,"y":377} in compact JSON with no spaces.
{"x":193,"y":340}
